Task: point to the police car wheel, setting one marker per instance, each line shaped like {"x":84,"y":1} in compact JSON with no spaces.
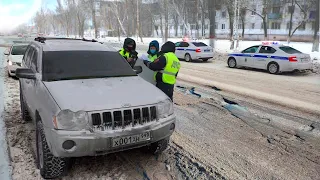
{"x":187,"y":57}
{"x":273,"y":68}
{"x":232,"y":63}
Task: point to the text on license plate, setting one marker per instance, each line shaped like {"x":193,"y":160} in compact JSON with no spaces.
{"x":207,"y":50}
{"x":126,"y":140}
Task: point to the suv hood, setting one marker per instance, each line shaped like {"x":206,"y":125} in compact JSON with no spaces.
{"x":104,"y":93}
{"x":16,"y":58}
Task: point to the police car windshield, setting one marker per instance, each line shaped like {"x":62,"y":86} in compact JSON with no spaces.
{"x":199,"y":44}
{"x":67,"y":65}
{"x":289,"y":50}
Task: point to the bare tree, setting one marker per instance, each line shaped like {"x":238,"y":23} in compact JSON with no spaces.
{"x":182,"y":18}
{"x":305,"y":9}
{"x":212,"y":19}
{"x":315,"y":45}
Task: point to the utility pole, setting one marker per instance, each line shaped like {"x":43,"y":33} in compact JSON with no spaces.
{"x":212,"y":18}
{"x":236,"y":23}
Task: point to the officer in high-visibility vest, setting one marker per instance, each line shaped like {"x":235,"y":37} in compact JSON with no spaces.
{"x":129,"y":51}
{"x":167,"y":67}
{"x":153,"y":51}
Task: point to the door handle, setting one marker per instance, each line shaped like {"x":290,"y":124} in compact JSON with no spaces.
{"x":268,"y":56}
{"x":252,"y":55}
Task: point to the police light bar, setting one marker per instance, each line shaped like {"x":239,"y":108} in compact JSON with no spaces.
{"x":270,"y":43}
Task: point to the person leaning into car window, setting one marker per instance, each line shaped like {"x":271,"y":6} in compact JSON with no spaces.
{"x":167,"y":67}
{"x":129,"y":51}
{"x":153,"y":51}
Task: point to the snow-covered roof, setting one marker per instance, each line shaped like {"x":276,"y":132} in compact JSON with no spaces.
{"x":74,"y":45}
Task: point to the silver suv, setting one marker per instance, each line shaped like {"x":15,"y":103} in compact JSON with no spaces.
{"x":86,"y":100}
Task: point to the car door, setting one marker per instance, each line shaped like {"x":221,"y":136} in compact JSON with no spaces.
{"x":25,"y":83}
{"x":262,"y":58}
{"x":247,"y":57}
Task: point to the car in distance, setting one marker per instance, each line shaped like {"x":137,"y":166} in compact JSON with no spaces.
{"x":14,"y":57}
{"x":274,"y":58}
{"x":193,"y":50}
{"x":86,"y":100}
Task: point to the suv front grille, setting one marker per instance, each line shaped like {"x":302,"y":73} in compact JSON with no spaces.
{"x":124,"y":118}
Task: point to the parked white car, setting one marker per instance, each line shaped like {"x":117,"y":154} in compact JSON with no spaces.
{"x":14,"y":57}
{"x":86,"y":100}
{"x":274,"y":58}
{"x":193,"y":50}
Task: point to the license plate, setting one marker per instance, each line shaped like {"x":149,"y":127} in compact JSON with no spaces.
{"x":126,"y":140}
{"x":207,"y":50}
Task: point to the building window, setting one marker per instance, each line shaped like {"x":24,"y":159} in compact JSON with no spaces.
{"x":253,"y":12}
{"x":288,"y":25}
{"x":223,"y":26}
{"x":252,"y":25}
{"x":181,"y":27}
{"x":223,"y":14}
{"x":276,"y":10}
{"x":275,"y":25}
{"x":239,"y":26}
{"x":263,"y":26}
{"x":206,"y":26}
{"x":302,"y":26}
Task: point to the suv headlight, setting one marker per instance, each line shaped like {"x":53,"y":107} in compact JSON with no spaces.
{"x":165,"y":108}
{"x":69,"y":120}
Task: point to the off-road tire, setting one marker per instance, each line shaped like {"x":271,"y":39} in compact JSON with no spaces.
{"x":187,"y":57}
{"x":232,"y":62}
{"x":271,"y":67}
{"x":159,"y":146}
{"x":53,"y":167}
{"x":24,"y":111}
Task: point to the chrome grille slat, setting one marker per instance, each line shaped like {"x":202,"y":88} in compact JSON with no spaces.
{"x":123,"y":117}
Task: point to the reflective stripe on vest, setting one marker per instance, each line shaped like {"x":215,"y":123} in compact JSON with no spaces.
{"x":125,"y":55}
{"x":171,"y":69}
{"x":152,"y":58}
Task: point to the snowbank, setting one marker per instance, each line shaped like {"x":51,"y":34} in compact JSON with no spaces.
{"x":222,"y":46}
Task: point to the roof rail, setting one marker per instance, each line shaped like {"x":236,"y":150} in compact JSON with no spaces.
{"x":43,"y":39}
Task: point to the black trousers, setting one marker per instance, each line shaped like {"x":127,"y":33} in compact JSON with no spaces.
{"x":166,"y":88}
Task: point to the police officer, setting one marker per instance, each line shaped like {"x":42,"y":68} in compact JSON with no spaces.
{"x":167,"y":67}
{"x":153,"y":51}
{"x":129,"y":51}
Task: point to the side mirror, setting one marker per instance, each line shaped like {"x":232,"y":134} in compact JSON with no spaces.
{"x":137,"y":69}
{"x":25,"y":73}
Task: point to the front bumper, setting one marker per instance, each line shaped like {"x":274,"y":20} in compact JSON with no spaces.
{"x":100,"y":142}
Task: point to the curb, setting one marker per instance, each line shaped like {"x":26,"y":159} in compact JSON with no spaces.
{"x":285,"y":101}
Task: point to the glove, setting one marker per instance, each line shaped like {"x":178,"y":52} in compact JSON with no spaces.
{"x":134,"y":54}
{"x":145,"y":62}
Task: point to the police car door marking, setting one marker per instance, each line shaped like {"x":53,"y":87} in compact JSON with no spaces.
{"x":262,"y":56}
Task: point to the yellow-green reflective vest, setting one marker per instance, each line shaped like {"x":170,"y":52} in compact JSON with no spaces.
{"x":124,"y":54}
{"x":171,"y":69}
{"x":152,"y":58}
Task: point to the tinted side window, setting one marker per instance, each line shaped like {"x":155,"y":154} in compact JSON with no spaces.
{"x":184,"y":44}
{"x":267,"y":50}
{"x":178,"y":44}
{"x":27,"y":56}
{"x":33,"y":62}
{"x":252,"y":49}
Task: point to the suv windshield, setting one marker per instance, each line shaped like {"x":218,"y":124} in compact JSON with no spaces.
{"x":199,"y":44}
{"x":289,"y":50}
{"x":18,"y":50}
{"x":67,"y":65}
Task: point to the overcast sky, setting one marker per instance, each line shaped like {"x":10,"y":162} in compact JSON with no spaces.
{"x":16,"y":12}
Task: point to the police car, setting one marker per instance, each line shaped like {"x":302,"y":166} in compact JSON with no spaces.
{"x":273,"y":57}
{"x":193,"y":50}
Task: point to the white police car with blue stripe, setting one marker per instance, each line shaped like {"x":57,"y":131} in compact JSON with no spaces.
{"x":273,"y":57}
{"x":193,"y":50}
